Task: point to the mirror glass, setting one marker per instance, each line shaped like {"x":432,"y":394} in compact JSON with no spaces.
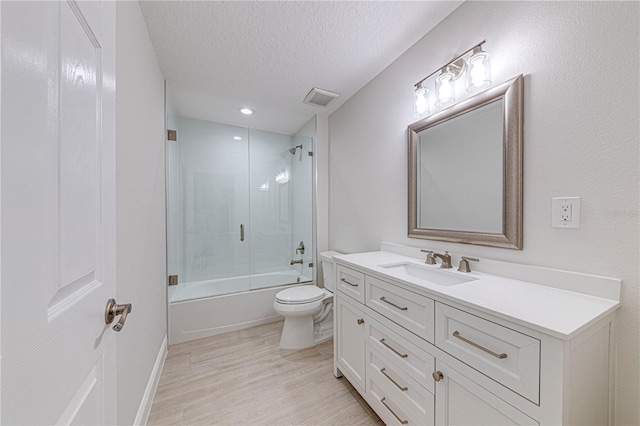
{"x":465,"y":177}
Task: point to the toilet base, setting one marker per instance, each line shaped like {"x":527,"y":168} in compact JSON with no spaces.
{"x":297,"y":333}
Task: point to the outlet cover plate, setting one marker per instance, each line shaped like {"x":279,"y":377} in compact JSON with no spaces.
{"x":565,"y":212}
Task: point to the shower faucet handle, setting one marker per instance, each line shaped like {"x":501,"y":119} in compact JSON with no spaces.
{"x":300,"y":249}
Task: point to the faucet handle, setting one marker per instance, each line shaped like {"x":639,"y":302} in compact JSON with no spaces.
{"x":430,"y":260}
{"x":464,"y":263}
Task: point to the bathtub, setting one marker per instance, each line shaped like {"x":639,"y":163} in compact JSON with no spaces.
{"x":206,"y":308}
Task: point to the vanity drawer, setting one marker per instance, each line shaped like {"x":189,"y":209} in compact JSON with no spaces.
{"x":351,"y":283}
{"x":410,"y":310}
{"x":393,"y":408}
{"x":383,"y":377}
{"x":404,"y":355}
{"x":507,"y":356}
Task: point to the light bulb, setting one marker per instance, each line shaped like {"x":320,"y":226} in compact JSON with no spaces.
{"x":421,"y":105}
{"x":445,"y":88}
{"x":479,"y":75}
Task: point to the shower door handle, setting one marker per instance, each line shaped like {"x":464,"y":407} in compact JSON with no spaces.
{"x":241,"y":232}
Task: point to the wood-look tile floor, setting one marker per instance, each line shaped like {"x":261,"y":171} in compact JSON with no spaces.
{"x":244,"y":378}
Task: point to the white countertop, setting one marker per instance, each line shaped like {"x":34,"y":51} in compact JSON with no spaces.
{"x":557,"y":312}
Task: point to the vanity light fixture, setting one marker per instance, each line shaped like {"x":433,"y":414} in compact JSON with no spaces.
{"x":445,"y":88}
{"x":479,"y":75}
{"x":478,"y":72}
{"x":420,"y":102}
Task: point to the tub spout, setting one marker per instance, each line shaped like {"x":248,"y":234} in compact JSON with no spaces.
{"x":293,"y":262}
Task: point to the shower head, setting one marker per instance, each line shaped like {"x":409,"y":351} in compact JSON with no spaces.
{"x":293,"y":150}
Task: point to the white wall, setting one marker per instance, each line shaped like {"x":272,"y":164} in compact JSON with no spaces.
{"x":140,"y":192}
{"x":580,"y":62}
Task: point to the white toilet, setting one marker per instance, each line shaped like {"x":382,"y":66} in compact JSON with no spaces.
{"x":307,"y":309}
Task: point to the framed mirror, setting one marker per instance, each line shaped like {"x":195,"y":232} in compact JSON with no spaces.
{"x":465,"y":170}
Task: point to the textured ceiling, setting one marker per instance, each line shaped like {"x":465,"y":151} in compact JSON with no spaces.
{"x":220,"y":55}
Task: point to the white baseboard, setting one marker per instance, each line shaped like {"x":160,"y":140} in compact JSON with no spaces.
{"x":147,"y":399}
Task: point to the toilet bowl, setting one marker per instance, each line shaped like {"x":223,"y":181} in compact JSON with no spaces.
{"x":308,"y":309}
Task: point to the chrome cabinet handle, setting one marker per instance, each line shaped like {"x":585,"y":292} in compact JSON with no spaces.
{"x":457,"y":335}
{"x":437,"y":375}
{"x":404,"y":422}
{"x":351,"y":284}
{"x":402,"y":388}
{"x":360,"y":321}
{"x":402,"y":308}
{"x":401,"y":355}
{"x":112,"y":310}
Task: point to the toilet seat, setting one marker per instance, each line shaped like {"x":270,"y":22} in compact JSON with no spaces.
{"x":300,"y":295}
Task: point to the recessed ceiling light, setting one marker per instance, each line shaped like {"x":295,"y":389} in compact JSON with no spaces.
{"x":237,"y":138}
{"x":245,"y":111}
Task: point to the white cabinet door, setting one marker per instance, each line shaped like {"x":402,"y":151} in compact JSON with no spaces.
{"x":351,"y":343}
{"x":58,"y":216}
{"x":460,"y":401}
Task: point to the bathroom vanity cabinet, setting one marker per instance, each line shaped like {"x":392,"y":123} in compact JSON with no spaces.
{"x":423,"y":355}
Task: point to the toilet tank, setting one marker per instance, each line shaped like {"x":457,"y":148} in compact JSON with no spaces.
{"x":329,"y":269}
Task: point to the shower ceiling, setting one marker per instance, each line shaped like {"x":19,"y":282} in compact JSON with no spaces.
{"x":218,"y":56}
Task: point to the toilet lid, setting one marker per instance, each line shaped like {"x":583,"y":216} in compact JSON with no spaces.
{"x":300,"y":294}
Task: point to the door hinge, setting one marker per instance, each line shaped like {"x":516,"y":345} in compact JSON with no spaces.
{"x":172,"y":135}
{"x":173,"y":280}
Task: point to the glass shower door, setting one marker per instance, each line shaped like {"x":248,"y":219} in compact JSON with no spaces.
{"x":280,"y":213}
{"x":302,"y":205}
{"x":214,"y":207}
{"x":240,"y":214}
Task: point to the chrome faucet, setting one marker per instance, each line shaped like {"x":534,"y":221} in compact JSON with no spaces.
{"x":300,"y":249}
{"x":446,"y":259}
{"x":293,"y":262}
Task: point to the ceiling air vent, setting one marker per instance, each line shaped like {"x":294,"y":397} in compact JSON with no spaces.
{"x":320,"y":97}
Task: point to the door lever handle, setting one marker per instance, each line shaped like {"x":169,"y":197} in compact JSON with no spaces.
{"x":112,"y":310}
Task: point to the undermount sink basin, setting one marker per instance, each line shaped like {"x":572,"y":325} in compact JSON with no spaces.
{"x":428,"y":274}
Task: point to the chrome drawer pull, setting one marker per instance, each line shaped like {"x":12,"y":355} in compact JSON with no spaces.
{"x":404,"y":422}
{"x":457,"y":335}
{"x":402,"y":388}
{"x":393,"y":350}
{"x":402,"y":308}
{"x":345,"y":281}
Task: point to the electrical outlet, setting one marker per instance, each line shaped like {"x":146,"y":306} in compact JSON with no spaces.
{"x":565,"y":212}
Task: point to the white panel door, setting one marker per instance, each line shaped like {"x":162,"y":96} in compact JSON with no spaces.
{"x":57,"y":218}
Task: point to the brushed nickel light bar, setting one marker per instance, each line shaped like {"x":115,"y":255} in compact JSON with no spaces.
{"x":478,"y":76}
